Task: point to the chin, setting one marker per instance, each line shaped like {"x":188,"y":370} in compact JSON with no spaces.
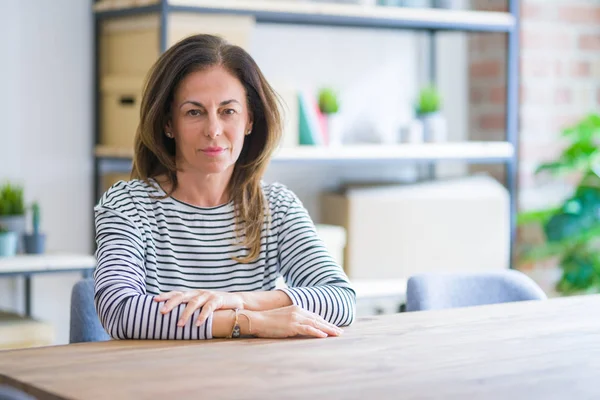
{"x":213,"y":167}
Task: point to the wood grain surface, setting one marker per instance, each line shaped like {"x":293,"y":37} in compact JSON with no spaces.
{"x":530,"y":350}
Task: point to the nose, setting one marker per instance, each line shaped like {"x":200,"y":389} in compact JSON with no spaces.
{"x":214,"y":127}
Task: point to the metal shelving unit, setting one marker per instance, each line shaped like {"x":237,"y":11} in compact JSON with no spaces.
{"x":428,"y":21}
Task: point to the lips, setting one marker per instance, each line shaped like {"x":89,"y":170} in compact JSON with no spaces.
{"x":213,"y":151}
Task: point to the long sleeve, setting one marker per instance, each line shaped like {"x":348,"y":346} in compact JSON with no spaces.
{"x":316,"y":282}
{"x":124,"y":308}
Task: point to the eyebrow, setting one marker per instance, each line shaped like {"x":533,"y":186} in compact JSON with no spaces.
{"x":198,"y":104}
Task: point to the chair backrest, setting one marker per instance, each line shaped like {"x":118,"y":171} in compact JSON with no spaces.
{"x":10,"y":393}
{"x":85,"y":324}
{"x":440,"y":291}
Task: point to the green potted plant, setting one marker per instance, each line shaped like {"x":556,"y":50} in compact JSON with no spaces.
{"x":8,"y":242}
{"x":428,"y":111}
{"x":571,"y":230}
{"x":35,"y":242}
{"x":12,"y":211}
{"x":329,"y":106}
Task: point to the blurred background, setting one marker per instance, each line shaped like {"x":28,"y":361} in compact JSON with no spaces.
{"x":421,"y":135}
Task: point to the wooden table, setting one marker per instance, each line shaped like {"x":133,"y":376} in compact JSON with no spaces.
{"x":27,"y":265}
{"x":533,"y":350}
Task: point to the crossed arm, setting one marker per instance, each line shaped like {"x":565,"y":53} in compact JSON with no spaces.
{"x":318,"y":300}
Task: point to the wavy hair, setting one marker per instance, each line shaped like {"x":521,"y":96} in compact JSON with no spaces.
{"x":154,"y":153}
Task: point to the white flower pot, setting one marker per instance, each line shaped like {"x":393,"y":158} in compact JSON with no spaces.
{"x":17,"y":224}
{"x":435,"y":127}
{"x":335,"y":130}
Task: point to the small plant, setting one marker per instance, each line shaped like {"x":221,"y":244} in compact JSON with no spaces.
{"x":328,"y":101}
{"x":572,"y":229}
{"x":3,"y":229}
{"x":11,"y":200}
{"x":429,"y":101}
{"x":35,"y":208}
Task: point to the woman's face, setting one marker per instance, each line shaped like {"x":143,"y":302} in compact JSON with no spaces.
{"x":209,"y":121}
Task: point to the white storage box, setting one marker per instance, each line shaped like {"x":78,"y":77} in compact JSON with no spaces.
{"x":397,"y":231}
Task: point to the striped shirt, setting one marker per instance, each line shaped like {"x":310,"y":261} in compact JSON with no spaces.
{"x":147,"y":246}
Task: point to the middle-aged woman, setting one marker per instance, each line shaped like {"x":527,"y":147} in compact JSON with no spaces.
{"x":192,"y":245}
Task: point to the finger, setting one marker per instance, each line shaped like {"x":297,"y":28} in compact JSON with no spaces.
{"x":172,"y":302}
{"x":330,"y":325}
{"x":165,"y":296}
{"x":208,"y":309}
{"x":327,"y":328}
{"x":308,"y":330}
{"x":192,"y":306}
{"x":318,"y":318}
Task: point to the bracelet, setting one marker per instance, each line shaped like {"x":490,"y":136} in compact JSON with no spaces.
{"x":236,"y":331}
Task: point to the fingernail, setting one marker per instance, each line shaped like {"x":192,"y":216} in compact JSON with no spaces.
{"x":198,"y":323}
{"x":180,"y":322}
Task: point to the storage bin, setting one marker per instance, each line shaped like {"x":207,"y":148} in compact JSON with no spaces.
{"x":446,"y":226}
{"x":130,"y":45}
{"x":121,"y":98}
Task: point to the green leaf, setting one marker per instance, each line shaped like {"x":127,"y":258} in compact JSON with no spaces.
{"x":537,"y":216}
{"x":11,"y":200}
{"x":429,"y":101}
{"x":328,"y":101}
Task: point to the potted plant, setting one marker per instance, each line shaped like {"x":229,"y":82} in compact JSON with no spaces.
{"x":35,"y":242}
{"x":8,"y":242}
{"x":571,"y":230}
{"x":329,"y":106}
{"x":12,"y":211}
{"x":428,"y":110}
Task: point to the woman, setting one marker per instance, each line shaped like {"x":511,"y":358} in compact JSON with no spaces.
{"x":191,"y":247}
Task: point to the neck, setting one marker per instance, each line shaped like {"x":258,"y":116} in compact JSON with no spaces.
{"x":202,"y":190}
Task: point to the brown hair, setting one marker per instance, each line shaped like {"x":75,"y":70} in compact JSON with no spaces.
{"x":155,"y":153}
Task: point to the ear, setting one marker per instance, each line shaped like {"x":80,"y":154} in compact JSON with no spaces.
{"x":168,"y":127}
{"x":250,"y":123}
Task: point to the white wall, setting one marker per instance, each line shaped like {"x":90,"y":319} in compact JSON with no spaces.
{"x":46,"y":140}
{"x":46,"y":106}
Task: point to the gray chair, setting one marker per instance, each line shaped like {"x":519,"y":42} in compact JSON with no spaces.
{"x":85,"y":324}
{"x":10,"y":393}
{"x":445,"y":290}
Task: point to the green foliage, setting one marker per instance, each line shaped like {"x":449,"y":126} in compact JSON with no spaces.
{"x":429,"y":101}
{"x":328,"y":101}
{"x":35,"y":208}
{"x":11,"y":200}
{"x":572,"y":230}
{"x":3,"y":229}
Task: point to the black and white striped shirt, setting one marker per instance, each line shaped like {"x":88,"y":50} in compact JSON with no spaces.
{"x":147,"y":246}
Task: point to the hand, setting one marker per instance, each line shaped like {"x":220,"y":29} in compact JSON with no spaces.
{"x":291,"y":321}
{"x":207,"y":299}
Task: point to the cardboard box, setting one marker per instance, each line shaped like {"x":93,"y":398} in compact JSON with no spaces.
{"x":129,"y":46}
{"x":121,"y":100}
{"x":400,"y":230}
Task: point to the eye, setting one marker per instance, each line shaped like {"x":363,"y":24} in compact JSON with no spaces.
{"x":193,"y":112}
{"x":229,"y":111}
